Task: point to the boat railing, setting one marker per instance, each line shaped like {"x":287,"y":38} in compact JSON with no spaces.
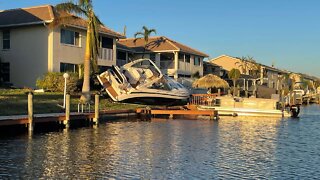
{"x":203,"y":99}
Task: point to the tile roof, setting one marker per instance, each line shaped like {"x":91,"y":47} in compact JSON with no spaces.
{"x":158,"y":44}
{"x":44,"y":14}
{"x":23,"y":16}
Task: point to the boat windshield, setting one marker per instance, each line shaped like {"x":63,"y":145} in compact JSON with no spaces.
{"x":161,"y":84}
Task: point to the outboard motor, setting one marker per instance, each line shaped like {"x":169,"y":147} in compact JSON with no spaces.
{"x":295,"y":110}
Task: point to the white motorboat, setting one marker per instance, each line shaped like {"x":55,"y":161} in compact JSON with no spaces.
{"x":141,"y":79}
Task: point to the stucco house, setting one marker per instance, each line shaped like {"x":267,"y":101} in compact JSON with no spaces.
{"x":268,"y":76}
{"x":174,"y":59}
{"x":30,"y":46}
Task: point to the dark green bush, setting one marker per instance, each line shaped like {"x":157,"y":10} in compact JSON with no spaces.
{"x":54,"y":82}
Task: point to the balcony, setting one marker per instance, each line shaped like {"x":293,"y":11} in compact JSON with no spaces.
{"x":106,"y":54}
{"x":184,"y":67}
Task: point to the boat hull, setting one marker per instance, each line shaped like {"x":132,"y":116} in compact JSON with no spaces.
{"x":224,"y":111}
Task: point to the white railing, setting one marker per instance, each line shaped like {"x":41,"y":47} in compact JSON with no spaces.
{"x":106,"y":54}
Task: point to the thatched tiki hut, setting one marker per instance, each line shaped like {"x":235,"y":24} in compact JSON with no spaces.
{"x":211,"y":82}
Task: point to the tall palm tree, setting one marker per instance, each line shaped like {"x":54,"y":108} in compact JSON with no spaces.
{"x":234,"y":74}
{"x":84,"y":8}
{"x":245,"y":64}
{"x":145,"y":34}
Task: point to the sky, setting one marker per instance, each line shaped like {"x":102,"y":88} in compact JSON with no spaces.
{"x":285,"y":33}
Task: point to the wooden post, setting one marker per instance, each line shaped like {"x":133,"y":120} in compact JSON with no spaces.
{"x":219,"y":92}
{"x":246,"y":93}
{"x":282,"y":100}
{"x":294,"y":98}
{"x":30,"y":112}
{"x":66,"y":121}
{"x":96,"y":109}
{"x":229,"y":91}
{"x":238,"y":92}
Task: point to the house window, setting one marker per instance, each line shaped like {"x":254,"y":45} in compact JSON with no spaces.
{"x":6,"y":39}
{"x":153,"y":57}
{"x":121,"y":55}
{"x":106,"y":42}
{"x":181,"y":57}
{"x":197,"y":61}
{"x":187,"y":58}
{"x":4,"y":72}
{"x":67,"y":67}
{"x":70,"y":37}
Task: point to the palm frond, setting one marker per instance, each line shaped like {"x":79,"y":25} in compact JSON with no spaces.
{"x":72,"y":8}
{"x":153,"y":31}
{"x":61,"y":20}
{"x":138,"y":34}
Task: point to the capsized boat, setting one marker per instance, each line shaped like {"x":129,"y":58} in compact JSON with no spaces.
{"x":141,"y":79}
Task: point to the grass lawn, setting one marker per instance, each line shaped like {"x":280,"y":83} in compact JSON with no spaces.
{"x":15,"y":102}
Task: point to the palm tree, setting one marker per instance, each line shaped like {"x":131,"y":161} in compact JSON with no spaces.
{"x":245,"y":64}
{"x":145,"y":34}
{"x":84,"y":8}
{"x":234,"y":74}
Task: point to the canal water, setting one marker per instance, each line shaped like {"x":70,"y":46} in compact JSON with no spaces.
{"x":231,"y":148}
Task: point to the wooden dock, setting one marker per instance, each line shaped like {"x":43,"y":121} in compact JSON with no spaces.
{"x":173,"y":113}
{"x":61,"y":117}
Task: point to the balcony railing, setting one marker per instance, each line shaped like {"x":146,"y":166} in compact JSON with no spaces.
{"x":106,"y":54}
{"x":184,"y":66}
{"x":203,"y":99}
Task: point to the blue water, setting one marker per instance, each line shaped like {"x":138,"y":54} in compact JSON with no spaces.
{"x":231,"y":148}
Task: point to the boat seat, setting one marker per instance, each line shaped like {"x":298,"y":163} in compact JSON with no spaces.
{"x":133,"y":75}
{"x":148,"y":73}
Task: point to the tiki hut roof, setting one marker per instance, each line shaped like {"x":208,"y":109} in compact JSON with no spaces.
{"x":210,"y":81}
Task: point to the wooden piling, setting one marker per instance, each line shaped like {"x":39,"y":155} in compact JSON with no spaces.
{"x":96,"y":109}
{"x":219,"y":92}
{"x":294,"y":98}
{"x":282,"y":100}
{"x":30,"y":112}
{"x":67,"y":110}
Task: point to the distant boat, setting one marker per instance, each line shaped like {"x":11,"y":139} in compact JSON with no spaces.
{"x":236,"y":106}
{"x":141,"y":79}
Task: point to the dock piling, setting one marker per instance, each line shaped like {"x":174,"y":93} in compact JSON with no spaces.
{"x":30,"y":112}
{"x":96,"y":109}
{"x":67,"y":119}
{"x":294,"y":98}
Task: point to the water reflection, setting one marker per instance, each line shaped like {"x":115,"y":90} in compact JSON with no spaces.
{"x":178,"y":149}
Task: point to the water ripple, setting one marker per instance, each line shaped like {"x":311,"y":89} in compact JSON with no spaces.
{"x":231,"y":148}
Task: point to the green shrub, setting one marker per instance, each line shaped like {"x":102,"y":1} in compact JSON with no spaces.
{"x":54,"y":82}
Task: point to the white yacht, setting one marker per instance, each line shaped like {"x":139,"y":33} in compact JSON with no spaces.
{"x":141,"y":79}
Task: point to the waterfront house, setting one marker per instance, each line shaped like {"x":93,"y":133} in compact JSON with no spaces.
{"x":31,"y":46}
{"x":174,"y":59}
{"x":268,"y":76}
{"x":211,"y":68}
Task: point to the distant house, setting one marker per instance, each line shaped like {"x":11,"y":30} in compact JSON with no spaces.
{"x":173,"y":58}
{"x":30,"y":47}
{"x":268,"y":76}
{"x":211,"y":68}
